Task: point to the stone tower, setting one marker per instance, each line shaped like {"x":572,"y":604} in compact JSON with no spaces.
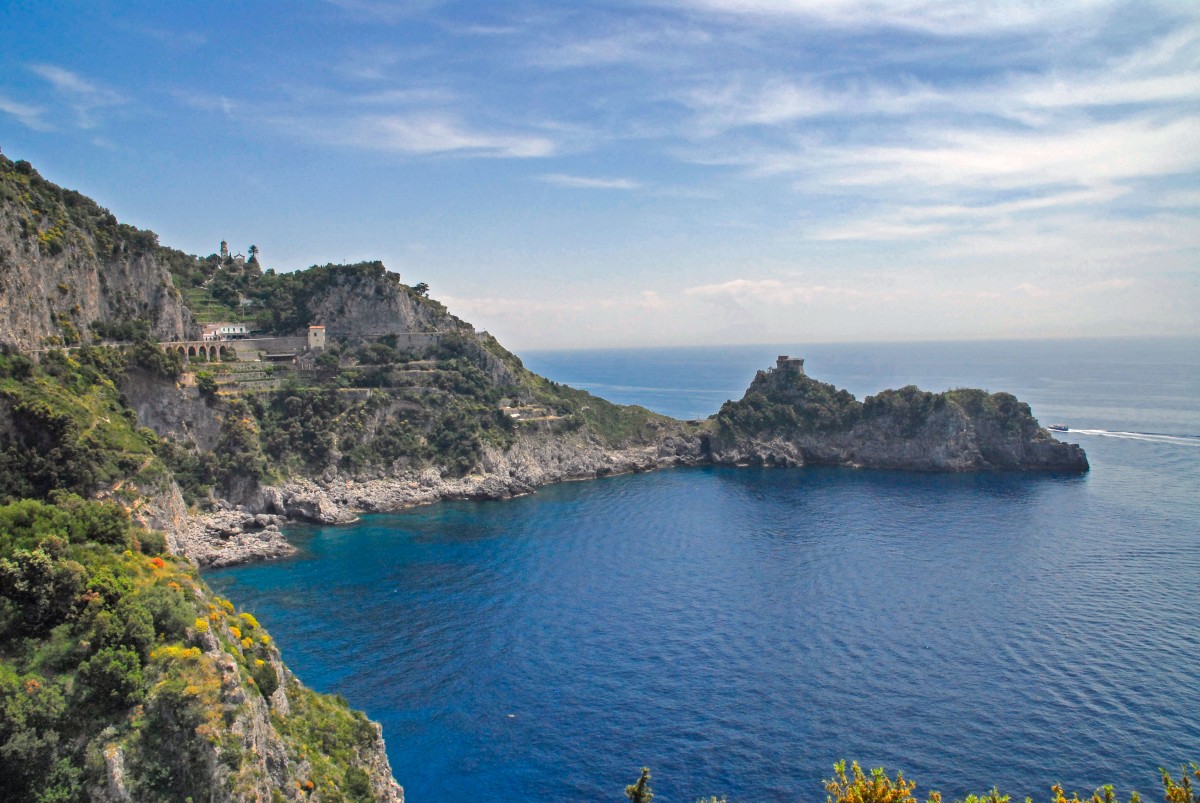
{"x":792,"y":364}
{"x":224,"y":250}
{"x":316,"y":338}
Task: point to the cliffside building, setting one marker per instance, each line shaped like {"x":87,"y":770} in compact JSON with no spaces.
{"x":793,"y":365}
{"x":316,"y":338}
{"x":223,"y":331}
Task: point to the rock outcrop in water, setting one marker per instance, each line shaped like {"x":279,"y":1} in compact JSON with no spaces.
{"x":787,"y":418}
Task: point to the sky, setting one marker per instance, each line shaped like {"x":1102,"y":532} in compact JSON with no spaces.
{"x":653,"y":172}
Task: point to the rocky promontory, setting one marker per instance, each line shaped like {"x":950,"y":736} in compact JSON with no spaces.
{"x":787,"y":418}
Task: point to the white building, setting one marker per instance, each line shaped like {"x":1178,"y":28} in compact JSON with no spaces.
{"x":223,"y":331}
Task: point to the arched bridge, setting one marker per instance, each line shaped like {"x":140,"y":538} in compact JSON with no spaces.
{"x":206,"y":350}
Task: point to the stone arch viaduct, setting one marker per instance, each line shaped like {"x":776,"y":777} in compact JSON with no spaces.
{"x":206,"y":350}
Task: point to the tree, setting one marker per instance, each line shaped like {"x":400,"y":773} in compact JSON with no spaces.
{"x":421,"y":289}
{"x":640,"y":792}
{"x":111,"y":679}
{"x":878,"y":788}
{"x":206,"y":382}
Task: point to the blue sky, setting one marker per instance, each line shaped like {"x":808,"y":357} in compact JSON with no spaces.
{"x":653,"y":172}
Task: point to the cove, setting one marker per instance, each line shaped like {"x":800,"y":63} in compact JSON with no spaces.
{"x":739,"y":630}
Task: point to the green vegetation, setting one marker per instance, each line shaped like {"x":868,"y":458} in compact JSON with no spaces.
{"x":323,"y":731}
{"x":640,"y":792}
{"x":84,"y":601}
{"x":876,"y":786}
{"x":55,"y":218}
{"x":217,"y":289}
{"x":109,"y":647}
{"x":66,"y":428}
{"x":791,"y":404}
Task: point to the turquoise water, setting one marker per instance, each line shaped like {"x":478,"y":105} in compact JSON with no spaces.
{"x":739,"y":630}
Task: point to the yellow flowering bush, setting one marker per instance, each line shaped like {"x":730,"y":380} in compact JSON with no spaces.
{"x":878,"y":788}
{"x":174,"y":652}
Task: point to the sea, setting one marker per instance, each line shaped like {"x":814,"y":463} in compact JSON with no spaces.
{"x":738,"y":631}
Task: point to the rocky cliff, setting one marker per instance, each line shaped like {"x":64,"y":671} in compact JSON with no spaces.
{"x":68,"y":269}
{"x":370,"y":301}
{"x":787,"y":418}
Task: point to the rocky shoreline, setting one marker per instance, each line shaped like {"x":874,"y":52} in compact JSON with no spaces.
{"x":250,"y":530}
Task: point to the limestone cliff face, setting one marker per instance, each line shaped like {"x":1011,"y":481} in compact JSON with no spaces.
{"x":66,"y":264}
{"x":363,"y":303}
{"x":178,"y":413}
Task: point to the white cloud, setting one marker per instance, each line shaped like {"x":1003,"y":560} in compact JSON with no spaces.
{"x":771,"y":292}
{"x":946,"y":17}
{"x":1107,"y":285}
{"x":509,"y":307}
{"x":28,"y":116}
{"x":777,"y":100}
{"x":589,"y":183}
{"x":1091,"y":154}
{"x":632,"y":44}
{"x":925,"y":221}
{"x":651,"y":300}
{"x":424,"y":134}
{"x":84,"y":96}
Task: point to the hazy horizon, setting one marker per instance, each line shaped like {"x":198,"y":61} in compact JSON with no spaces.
{"x":654,"y":172}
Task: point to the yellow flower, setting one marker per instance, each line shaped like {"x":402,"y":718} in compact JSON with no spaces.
{"x":201,"y":625}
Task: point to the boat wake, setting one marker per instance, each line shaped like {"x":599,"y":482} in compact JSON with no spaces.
{"x":1153,"y":437}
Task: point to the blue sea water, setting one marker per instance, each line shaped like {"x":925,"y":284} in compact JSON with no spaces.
{"x":739,"y":630}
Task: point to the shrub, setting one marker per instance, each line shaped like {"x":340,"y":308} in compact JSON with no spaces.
{"x":169,"y":611}
{"x":266,"y":680}
{"x":206,"y":382}
{"x":111,"y":679}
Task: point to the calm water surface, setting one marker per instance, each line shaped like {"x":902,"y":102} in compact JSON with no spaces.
{"x":739,"y":630}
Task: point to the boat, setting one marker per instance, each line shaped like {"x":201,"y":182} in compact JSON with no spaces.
{"x":1058,"y":428}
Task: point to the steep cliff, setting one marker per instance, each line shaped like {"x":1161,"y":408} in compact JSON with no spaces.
{"x":122,"y":677}
{"x":68,"y":269}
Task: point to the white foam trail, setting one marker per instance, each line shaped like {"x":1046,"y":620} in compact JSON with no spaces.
{"x":1178,"y":440}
